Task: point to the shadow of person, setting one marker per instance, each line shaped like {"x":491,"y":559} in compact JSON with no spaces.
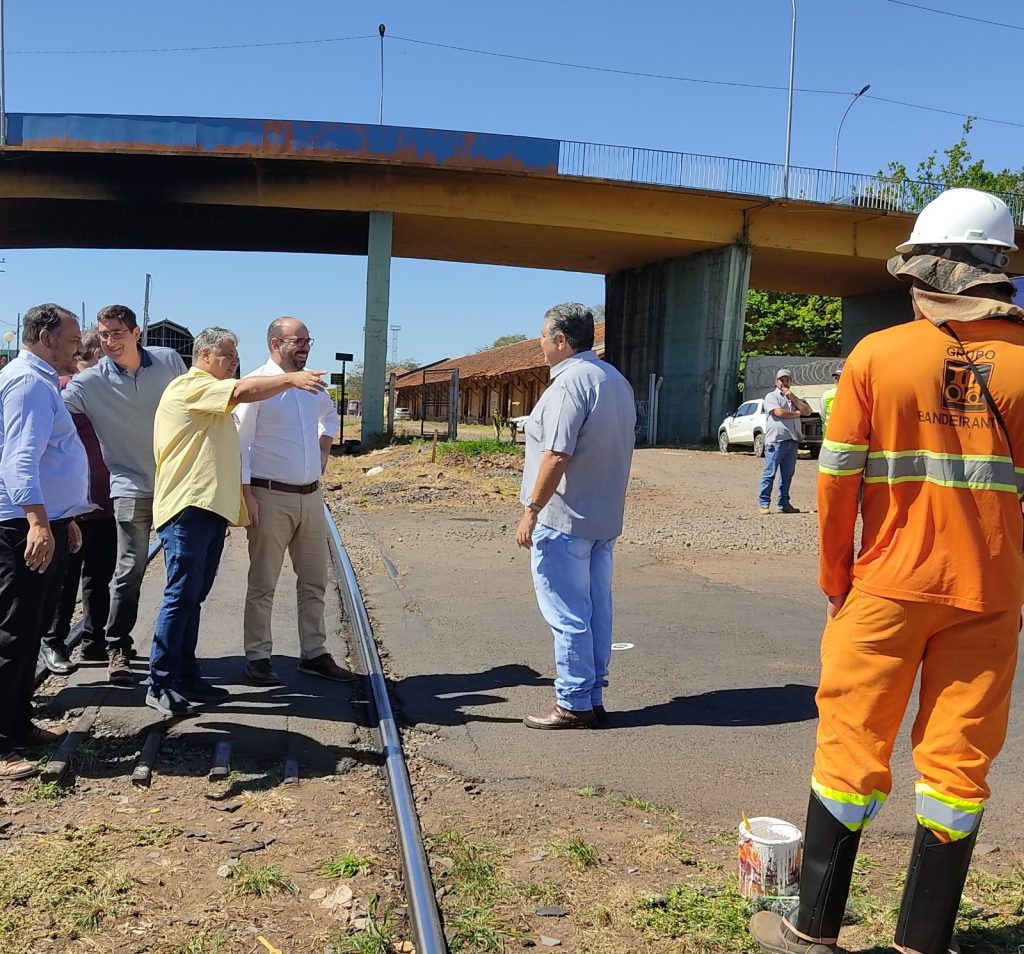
{"x":442,"y":698}
{"x":763,"y":705}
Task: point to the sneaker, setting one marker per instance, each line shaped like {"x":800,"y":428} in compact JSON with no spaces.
{"x":789,"y":508}
{"x":260,"y":672}
{"x":325,"y":667}
{"x":93,"y":652}
{"x":119,"y":670}
{"x":167,"y":701}
{"x":202,"y":692}
{"x":14,"y":766}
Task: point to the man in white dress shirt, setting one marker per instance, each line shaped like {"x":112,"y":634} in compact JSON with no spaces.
{"x":286,"y":442}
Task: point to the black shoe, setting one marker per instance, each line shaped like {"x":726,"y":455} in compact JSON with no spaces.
{"x":92,"y":652}
{"x":325,"y":667}
{"x":202,"y":692}
{"x":56,"y":660}
{"x":261,"y":673}
{"x":167,"y":701}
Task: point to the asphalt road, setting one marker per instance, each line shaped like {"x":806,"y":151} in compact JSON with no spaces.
{"x":712,"y":707}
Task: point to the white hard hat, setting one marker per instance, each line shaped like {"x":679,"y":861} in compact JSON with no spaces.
{"x":963,"y":217}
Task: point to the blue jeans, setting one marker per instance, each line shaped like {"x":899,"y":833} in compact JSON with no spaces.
{"x":573,"y":581}
{"x":780,"y":458}
{"x":193,"y":542}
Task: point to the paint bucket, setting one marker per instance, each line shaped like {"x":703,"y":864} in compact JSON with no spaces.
{"x":769,"y":850}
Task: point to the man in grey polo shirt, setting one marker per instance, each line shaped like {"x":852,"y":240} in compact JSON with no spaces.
{"x":781,"y":440}
{"x":579,"y":445}
{"x":120,"y":396}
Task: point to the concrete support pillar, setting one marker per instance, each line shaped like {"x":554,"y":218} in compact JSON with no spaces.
{"x":863,"y":314}
{"x":375,"y":336}
{"x":682,"y":319}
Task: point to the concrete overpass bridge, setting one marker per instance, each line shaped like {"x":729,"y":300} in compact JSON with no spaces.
{"x":679,"y":237}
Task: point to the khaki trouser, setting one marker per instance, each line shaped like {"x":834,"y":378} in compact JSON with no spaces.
{"x":870,"y":657}
{"x":292,"y":522}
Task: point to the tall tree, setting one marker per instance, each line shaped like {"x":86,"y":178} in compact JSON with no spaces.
{"x":957,"y":167}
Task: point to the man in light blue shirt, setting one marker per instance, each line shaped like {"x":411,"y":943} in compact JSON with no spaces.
{"x":44,"y":483}
{"x":579,"y":446}
{"x":120,"y":397}
{"x":781,"y":441}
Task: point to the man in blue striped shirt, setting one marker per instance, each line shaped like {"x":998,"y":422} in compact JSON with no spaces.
{"x":44,"y":483}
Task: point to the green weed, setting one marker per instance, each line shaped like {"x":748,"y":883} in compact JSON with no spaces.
{"x":579,"y":852}
{"x":376,"y":937}
{"x":262,"y":882}
{"x":40,"y":791}
{"x":204,"y":944}
{"x":347,"y":866}
{"x":474,"y":872}
{"x":476,"y":930}
{"x":701,"y":919}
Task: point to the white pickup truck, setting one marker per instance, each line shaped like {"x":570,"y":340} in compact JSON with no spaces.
{"x":745,"y":427}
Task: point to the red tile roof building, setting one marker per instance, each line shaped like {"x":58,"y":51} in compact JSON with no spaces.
{"x":506,"y":381}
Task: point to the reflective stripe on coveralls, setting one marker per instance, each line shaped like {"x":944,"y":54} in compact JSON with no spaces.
{"x":848,"y":808}
{"x":957,"y":817}
{"x":966,"y":471}
{"x":842,"y":460}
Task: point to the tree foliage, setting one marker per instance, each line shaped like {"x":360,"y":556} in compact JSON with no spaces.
{"x":502,"y":341}
{"x":956,"y":167}
{"x":354,"y":378}
{"x":783,"y":323}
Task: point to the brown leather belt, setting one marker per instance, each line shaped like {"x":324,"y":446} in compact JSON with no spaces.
{"x":287,"y":488}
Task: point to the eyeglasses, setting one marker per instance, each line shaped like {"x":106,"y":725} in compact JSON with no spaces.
{"x":112,"y":335}
{"x":301,"y":342}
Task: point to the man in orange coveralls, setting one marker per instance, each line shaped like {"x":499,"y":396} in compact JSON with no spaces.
{"x":928,"y":417}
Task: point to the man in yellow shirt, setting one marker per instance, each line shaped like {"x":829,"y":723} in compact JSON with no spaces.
{"x":197,"y":495}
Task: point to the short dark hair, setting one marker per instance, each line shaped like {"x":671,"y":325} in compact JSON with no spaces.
{"x":574,"y":321}
{"x":43,"y":318}
{"x":120,"y":313}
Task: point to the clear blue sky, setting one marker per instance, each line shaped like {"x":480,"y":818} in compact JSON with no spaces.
{"x":448,"y":309}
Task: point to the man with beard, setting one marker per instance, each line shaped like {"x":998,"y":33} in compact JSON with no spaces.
{"x":286,"y":442}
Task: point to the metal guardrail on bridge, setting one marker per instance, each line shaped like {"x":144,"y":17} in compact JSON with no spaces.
{"x":746,"y":177}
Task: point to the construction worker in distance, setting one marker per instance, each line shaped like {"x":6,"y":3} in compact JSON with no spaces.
{"x":829,"y":396}
{"x":929,"y":417}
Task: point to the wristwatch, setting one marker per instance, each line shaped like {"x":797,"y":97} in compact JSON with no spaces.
{"x":533,"y":505}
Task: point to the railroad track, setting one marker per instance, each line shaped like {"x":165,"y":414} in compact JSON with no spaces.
{"x":424,"y":915}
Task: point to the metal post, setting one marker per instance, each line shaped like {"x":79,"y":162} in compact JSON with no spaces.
{"x":145,"y":313}
{"x":835,"y":161}
{"x":3,"y":82}
{"x":344,"y":409}
{"x":380,"y":116}
{"x":789,"y":108}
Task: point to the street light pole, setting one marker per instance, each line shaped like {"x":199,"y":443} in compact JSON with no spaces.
{"x":835,"y":162}
{"x":789,"y":108}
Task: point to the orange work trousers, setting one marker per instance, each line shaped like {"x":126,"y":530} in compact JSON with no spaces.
{"x":870,"y":656}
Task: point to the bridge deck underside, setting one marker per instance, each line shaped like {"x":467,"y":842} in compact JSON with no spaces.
{"x":110,"y":200}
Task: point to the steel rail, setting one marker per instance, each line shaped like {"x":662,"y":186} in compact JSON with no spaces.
{"x":75,"y":635}
{"x":424,"y":915}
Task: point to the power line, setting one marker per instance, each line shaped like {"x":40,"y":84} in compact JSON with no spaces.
{"x":193,"y":49}
{"x":609,"y":69}
{"x":958,"y":16}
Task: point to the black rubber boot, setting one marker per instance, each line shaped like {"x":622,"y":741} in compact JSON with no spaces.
{"x":931,"y":895}
{"x":830,"y":849}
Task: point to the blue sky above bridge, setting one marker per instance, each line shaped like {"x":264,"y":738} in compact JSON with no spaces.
{"x":905,"y":53}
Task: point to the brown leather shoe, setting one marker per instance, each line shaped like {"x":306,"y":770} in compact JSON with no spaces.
{"x":14,"y":766}
{"x":119,"y":669}
{"x":555,"y":717}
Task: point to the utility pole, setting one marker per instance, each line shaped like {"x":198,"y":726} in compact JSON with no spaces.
{"x":3,"y":82}
{"x":380,"y":118}
{"x":145,"y":313}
